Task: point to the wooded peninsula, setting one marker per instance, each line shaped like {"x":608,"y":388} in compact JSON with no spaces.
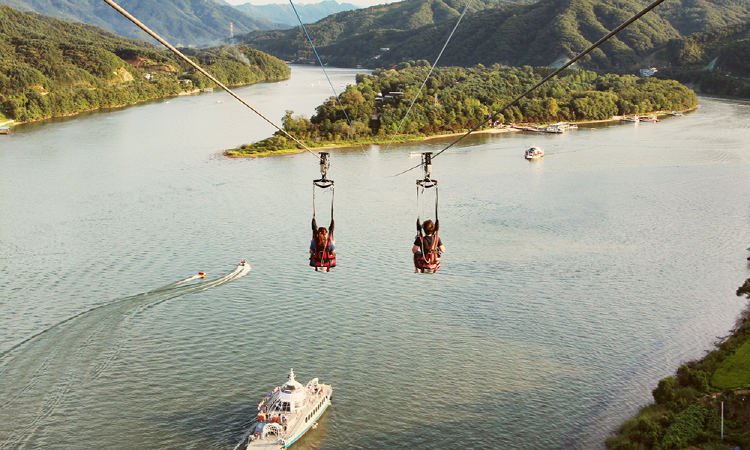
{"x":51,"y":68}
{"x":456,"y":99}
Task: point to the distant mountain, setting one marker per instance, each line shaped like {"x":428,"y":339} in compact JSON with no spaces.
{"x":511,"y":34}
{"x":726,"y":49}
{"x":694,"y":16}
{"x":283,"y":13}
{"x":381,"y":19}
{"x":517,"y":35}
{"x":180,"y":22}
{"x":716,"y":62}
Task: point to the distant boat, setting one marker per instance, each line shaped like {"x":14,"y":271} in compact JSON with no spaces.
{"x":676,"y":113}
{"x":534,"y":153}
{"x":630,"y":119}
{"x":4,"y":130}
{"x":651,"y":118}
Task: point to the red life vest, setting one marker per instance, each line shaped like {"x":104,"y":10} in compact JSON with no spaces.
{"x":323,"y":257}
{"x":429,"y":260}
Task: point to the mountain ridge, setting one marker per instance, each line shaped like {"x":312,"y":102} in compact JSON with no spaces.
{"x":309,"y":12}
{"x":512,"y":34}
{"x":180,"y":22}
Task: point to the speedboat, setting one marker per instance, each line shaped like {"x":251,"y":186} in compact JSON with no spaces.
{"x":535,"y":153}
{"x":288,"y":412}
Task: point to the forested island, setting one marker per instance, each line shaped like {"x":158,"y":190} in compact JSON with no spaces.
{"x":51,"y":68}
{"x":456,"y":99}
{"x":687,"y":412}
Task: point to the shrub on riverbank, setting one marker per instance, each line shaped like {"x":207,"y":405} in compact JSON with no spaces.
{"x":456,"y":99}
{"x":687,"y":408}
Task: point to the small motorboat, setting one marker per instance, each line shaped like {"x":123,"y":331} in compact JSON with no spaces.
{"x":534,"y":153}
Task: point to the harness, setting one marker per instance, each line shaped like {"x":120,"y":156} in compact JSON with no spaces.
{"x":429,"y":260}
{"x":323,"y":257}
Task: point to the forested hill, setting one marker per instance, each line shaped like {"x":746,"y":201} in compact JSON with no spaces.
{"x":516,"y":34}
{"x":181,"y":22}
{"x":726,"y":49}
{"x":717,"y":61}
{"x":49,"y":67}
{"x":381,"y":19}
{"x":283,"y":13}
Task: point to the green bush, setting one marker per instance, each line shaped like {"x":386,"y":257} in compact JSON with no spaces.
{"x":665,"y":392}
{"x":687,"y":429}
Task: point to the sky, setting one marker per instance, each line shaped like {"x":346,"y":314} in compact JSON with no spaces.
{"x":362,"y":3}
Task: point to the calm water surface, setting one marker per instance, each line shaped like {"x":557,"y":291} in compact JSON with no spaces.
{"x":570,"y":285}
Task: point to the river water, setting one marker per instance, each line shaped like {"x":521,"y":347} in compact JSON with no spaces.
{"x":570,"y":285}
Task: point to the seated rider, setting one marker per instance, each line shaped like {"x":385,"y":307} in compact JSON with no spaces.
{"x":322,"y":247}
{"x":431,"y":259}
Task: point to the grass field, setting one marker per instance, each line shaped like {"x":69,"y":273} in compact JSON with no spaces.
{"x":734,"y":372}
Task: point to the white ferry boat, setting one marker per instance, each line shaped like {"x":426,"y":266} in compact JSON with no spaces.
{"x":535,"y":153}
{"x":288,"y":412}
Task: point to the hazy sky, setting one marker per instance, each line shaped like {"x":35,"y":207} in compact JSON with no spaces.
{"x":355,"y":2}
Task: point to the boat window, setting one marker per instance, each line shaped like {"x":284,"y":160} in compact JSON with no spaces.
{"x":290,"y":387}
{"x":285,"y":406}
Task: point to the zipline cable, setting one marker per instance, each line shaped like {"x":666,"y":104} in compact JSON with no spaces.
{"x":428,"y":75}
{"x":143,"y":27}
{"x":351,"y":125}
{"x":565,"y":66}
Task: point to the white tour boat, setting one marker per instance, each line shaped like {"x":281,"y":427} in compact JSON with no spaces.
{"x":535,"y":153}
{"x":288,"y":412}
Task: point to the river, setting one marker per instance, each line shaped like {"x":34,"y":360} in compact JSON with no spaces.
{"x":570,"y":285}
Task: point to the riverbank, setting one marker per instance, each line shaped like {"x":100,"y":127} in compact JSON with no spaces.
{"x":179,"y":94}
{"x":705,"y":405}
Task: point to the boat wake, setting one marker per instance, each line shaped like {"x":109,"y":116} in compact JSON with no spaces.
{"x":41,"y":372}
